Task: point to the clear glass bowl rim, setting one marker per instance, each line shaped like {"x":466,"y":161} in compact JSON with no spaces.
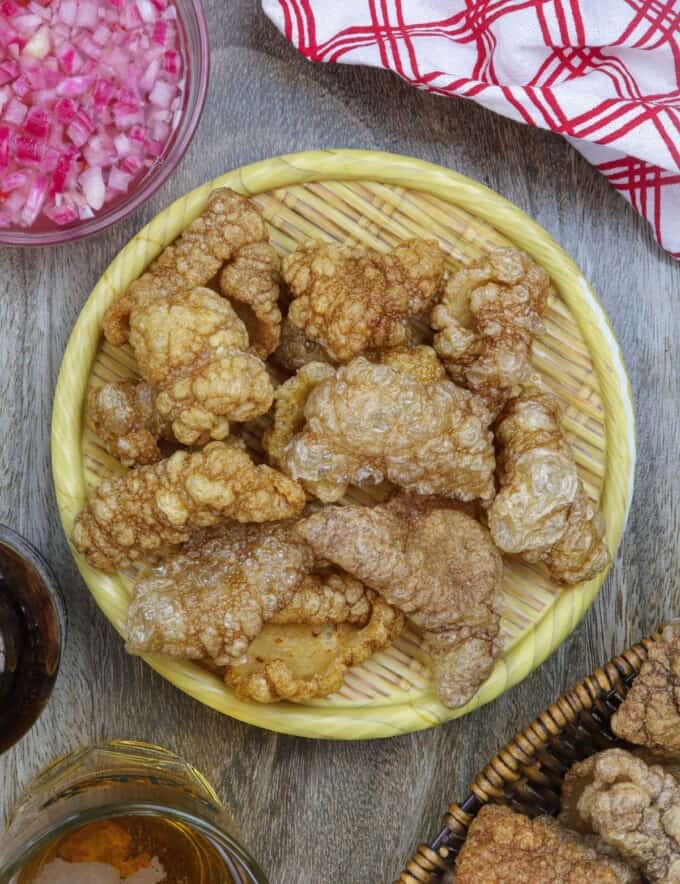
{"x":200,"y":63}
{"x":111,"y":811}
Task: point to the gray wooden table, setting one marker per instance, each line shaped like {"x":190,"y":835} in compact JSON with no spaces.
{"x":339,"y":813}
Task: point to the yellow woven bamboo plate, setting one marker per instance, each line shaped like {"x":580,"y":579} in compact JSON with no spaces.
{"x":377,"y":199}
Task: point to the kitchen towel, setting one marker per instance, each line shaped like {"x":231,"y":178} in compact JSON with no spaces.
{"x":605,"y":74}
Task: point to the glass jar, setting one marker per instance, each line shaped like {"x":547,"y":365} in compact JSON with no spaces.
{"x":123,"y":811}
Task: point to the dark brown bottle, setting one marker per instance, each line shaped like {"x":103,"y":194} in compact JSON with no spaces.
{"x":32,"y":627}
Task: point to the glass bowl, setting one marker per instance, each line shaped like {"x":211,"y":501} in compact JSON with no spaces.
{"x":32,"y":635}
{"x":197,"y":51}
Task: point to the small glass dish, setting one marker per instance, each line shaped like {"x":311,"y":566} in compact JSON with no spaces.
{"x":197,"y":53}
{"x":32,"y":635}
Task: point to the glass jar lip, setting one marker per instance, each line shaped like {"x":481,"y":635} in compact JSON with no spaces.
{"x":165,"y":167}
{"x":216,"y":835}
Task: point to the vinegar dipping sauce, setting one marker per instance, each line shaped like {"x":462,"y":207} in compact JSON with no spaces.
{"x":31,"y":634}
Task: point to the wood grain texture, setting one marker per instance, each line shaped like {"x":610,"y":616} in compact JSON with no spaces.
{"x":313,"y":812}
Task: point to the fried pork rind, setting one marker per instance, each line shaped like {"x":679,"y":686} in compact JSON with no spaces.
{"x":486,"y":321}
{"x":297,"y":662}
{"x":191,"y":347}
{"x":162,"y":505}
{"x":252,"y":278}
{"x":421,"y":362}
{"x":632,"y":806}
{"x":575,"y":780}
{"x":123,"y":416}
{"x":210,"y":600}
{"x":369,"y":423}
{"x":650,"y":714}
{"x":296,"y":350}
{"x":227,"y":224}
{"x":328,"y":597}
{"x":436,"y":565}
{"x":172,"y":334}
{"x":542,"y":511}
{"x":505,"y":847}
{"x":351,"y":299}
{"x":290,"y":399}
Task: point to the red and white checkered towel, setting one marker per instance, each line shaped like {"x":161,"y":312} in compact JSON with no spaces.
{"x":603,"y":73}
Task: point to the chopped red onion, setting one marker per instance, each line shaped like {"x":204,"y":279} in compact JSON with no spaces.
{"x":69,"y":58}
{"x":40,"y":43}
{"x":68,"y":10}
{"x":132,"y":164}
{"x":65,"y":110}
{"x":87,"y":15}
{"x":29,"y":151}
{"x":5,"y":137}
{"x":37,"y":123}
{"x":93,"y":186}
{"x":90,"y":93}
{"x":27,"y":24}
{"x":9,"y":70}
{"x":9,"y":8}
{"x":119,"y":180}
{"x":162,"y":94}
{"x":13,"y":180}
{"x":62,"y":215}
{"x":15,"y":112}
{"x":34,"y":200}
{"x":22,"y":86}
{"x":72,"y":87}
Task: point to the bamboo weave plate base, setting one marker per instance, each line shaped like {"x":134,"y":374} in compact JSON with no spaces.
{"x":377,"y":199}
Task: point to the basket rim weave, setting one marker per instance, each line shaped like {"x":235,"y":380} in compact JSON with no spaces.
{"x":505,"y":767}
{"x":400,"y":716}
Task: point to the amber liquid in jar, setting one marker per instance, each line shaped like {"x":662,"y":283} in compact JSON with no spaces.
{"x":130,"y":849}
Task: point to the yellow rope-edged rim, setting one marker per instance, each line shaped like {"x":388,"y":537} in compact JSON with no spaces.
{"x":394,"y":717}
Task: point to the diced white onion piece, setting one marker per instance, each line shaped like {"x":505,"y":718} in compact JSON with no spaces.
{"x":39,"y":45}
{"x":162,"y":94}
{"x":93,"y":186}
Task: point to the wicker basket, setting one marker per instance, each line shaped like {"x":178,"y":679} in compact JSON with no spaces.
{"x":527,"y":773}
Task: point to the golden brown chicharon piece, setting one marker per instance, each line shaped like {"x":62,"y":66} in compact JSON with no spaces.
{"x":252,"y":279}
{"x":210,"y":600}
{"x":189,"y":343}
{"x":650,"y":713}
{"x":486,"y":322}
{"x":298,"y":657}
{"x":192,"y":347}
{"x":162,"y":505}
{"x":290,"y":399}
{"x":436,"y":565}
{"x":371,"y":422}
{"x":191,"y":350}
{"x":634,"y":808}
{"x":328,"y":595}
{"x":228,"y":224}
{"x":505,"y":847}
{"x":351,"y":299}
{"x":420,"y":362}
{"x":123,"y":415}
{"x":541,"y":511}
